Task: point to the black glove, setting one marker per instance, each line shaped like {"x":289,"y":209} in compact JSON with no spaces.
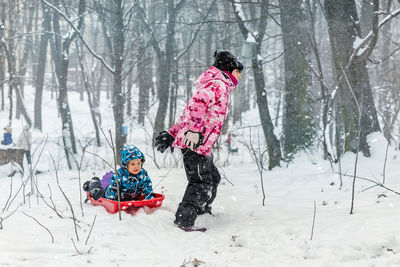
{"x":97,"y":193}
{"x":163,"y":141}
{"x":95,"y":188}
{"x":86,"y":186}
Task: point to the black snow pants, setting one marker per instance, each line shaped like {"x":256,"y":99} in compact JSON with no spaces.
{"x":203,"y":178}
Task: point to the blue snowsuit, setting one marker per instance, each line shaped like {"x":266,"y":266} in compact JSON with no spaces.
{"x":130,"y":186}
{"x":7,"y":139}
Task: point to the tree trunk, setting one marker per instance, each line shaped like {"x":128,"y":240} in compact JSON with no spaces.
{"x":209,"y":53}
{"x":20,"y":82}
{"x":99,"y":84}
{"x":41,"y":69}
{"x":10,"y":55}
{"x":97,"y":72}
{"x":354,"y":88}
{"x":60,"y":55}
{"x":241,"y":99}
{"x":389,"y":98}
{"x":188,"y":81}
{"x":2,"y":79}
{"x":36,"y":41}
{"x":274,"y":148}
{"x":22,"y":105}
{"x":118,"y":46}
{"x":2,"y":53}
{"x":145,"y":86}
{"x":324,"y":90}
{"x":273,"y":144}
{"x":298,"y":128}
{"x":165,"y":63}
{"x":174,"y":95}
{"x":89,"y":92}
{"x":79,"y":87}
{"x":366,"y":17}
{"x":163,"y":94}
{"x":188,"y":71}
{"x":63,"y":105}
{"x":227,"y":33}
{"x":128,"y":101}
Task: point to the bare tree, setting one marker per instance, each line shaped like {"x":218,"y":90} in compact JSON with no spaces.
{"x":39,"y":79}
{"x":118,"y":48}
{"x":274,"y":148}
{"x":8,"y":48}
{"x":23,"y":66}
{"x":2,"y":58}
{"x":311,"y":7}
{"x":89,"y":91}
{"x":167,"y":55}
{"x":344,"y":29}
{"x":298,"y":128}
{"x":60,"y":54}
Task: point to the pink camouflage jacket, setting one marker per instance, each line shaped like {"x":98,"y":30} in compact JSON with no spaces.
{"x":206,"y":111}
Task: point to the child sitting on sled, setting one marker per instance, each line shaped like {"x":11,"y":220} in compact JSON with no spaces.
{"x":133,"y":180}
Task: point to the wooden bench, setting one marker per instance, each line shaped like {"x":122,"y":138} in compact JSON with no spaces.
{"x":8,"y":154}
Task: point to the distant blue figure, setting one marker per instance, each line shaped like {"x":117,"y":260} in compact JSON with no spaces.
{"x":7,"y":137}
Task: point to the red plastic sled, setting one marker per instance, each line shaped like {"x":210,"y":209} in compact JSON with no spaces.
{"x":128,"y":206}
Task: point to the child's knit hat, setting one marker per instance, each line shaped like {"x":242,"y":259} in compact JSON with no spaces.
{"x":224,"y":60}
{"x":130,"y":152}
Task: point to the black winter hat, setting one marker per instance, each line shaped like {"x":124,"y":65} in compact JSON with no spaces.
{"x":224,"y":60}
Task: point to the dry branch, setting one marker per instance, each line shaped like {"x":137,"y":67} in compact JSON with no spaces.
{"x":375,"y":182}
{"x":87,"y":239}
{"x":313,"y":222}
{"x":66,"y":198}
{"x":52,"y":237}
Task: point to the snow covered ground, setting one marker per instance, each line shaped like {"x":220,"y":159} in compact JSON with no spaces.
{"x":242,"y":232}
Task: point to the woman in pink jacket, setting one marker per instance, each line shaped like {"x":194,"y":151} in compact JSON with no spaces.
{"x":196,"y":131}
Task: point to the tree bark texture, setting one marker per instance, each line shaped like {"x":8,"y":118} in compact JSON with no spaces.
{"x":298,"y":126}
{"x":274,"y":147}
{"x":273,"y":144}
{"x":118,"y":48}
{"x":41,"y":68}
{"x":366,"y":17}
{"x":165,"y":60}
{"x":145,"y":86}
{"x":60,"y":57}
{"x":9,"y":50}
{"x":89,"y":93}
{"x":2,"y":52}
{"x":20,"y":82}
{"x":2,"y":78}
{"x":354,"y":88}
{"x":173,"y":95}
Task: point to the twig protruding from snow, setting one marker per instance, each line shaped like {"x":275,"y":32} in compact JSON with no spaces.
{"x":66,"y":198}
{"x":47,"y":229}
{"x":313,"y":222}
{"x":90,"y":231}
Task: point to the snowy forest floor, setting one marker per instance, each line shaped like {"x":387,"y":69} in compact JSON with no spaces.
{"x":242,"y":232}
